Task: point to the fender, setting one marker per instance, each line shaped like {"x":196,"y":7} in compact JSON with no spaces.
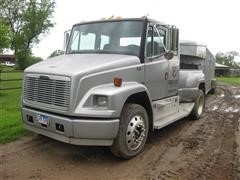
{"x":117,"y":97}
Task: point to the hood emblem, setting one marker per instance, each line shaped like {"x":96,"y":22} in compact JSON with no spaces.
{"x":44,"y":77}
{"x":52,"y":66}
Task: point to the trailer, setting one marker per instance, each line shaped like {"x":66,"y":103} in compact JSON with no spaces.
{"x":196,"y":58}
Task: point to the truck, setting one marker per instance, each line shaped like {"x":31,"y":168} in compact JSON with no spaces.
{"x":117,"y":82}
{"x":8,"y":64}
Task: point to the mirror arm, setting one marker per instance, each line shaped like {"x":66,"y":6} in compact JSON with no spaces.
{"x":169,"y":55}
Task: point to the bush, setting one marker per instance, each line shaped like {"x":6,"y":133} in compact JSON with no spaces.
{"x":25,"y":59}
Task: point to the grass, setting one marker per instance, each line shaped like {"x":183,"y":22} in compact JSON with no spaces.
{"x":10,"y":84}
{"x":11,"y":74}
{"x":230,"y":80}
{"x":11,"y":126}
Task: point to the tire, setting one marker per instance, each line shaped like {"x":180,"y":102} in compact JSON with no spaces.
{"x":132,"y":133}
{"x":198,"y":106}
{"x":212,"y":91}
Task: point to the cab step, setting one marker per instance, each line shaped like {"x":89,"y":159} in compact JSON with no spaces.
{"x":184,"y":110}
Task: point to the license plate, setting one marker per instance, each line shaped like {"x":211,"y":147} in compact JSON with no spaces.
{"x":43,"y":119}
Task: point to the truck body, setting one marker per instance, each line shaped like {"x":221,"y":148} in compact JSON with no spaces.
{"x":118,"y":80}
{"x":196,"y":62}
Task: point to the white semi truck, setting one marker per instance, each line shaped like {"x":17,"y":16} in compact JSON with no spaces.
{"x":118,"y":80}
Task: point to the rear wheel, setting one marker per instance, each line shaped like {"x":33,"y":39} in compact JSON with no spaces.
{"x":133,"y":131}
{"x":199,"y":105}
{"x":212,"y":91}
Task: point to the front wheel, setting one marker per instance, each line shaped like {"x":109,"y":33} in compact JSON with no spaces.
{"x":133,"y":132}
{"x":199,"y":105}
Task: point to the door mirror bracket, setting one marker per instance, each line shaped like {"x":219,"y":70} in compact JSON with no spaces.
{"x":169,"y":55}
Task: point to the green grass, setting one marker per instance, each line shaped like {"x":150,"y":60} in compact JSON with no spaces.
{"x":10,"y":84}
{"x":230,"y":80}
{"x":8,"y":76}
{"x":11,"y":126}
{"x":12,"y":75}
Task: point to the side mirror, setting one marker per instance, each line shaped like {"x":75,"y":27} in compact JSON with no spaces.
{"x":66,"y":39}
{"x":169,"y":55}
{"x":175,"y":39}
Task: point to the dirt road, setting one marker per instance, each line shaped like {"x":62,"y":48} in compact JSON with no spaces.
{"x":205,"y":149}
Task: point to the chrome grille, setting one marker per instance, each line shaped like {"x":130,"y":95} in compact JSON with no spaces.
{"x":52,"y":92}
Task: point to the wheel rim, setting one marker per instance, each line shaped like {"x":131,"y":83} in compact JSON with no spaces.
{"x":135,"y":132}
{"x":201,"y":104}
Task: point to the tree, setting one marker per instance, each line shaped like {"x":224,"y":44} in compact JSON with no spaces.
{"x":28,"y":20}
{"x":56,"y":53}
{"x":33,"y":60}
{"x":227,"y":59}
{"x":234,"y":53}
{"x":5,"y":36}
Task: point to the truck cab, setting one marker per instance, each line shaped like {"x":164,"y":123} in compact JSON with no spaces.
{"x":118,"y":80}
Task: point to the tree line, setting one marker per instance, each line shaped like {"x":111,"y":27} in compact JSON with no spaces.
{"x":228,"y":59}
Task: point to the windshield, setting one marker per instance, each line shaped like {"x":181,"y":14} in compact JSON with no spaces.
{"x":121,"y":37}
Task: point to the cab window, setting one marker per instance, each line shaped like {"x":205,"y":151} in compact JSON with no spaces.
{"x":155,"y":42}
{"x":158,"y":42}
{"x":104,"y":42}
{"x":87,"y":41}
{"x":149,"y":42}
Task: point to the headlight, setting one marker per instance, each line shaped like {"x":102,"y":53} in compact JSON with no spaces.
{"x":100,"y":100}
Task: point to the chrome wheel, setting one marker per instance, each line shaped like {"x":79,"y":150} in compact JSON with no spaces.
{"x":132,"y":133}
{"x":136,"y":132}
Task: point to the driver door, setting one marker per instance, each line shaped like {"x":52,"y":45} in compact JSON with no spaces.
{"x":156,"y":65}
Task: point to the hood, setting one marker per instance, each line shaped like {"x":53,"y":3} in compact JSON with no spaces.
{"x":73,"y":64}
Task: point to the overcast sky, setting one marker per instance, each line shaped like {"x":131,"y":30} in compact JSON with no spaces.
{"x":212,"y":22}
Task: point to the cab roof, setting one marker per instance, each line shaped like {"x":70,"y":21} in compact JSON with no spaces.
{"x":191,"y":43}
{"x":144,"y":19}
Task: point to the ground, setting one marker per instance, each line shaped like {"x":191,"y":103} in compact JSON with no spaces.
{"x":205,"y":149}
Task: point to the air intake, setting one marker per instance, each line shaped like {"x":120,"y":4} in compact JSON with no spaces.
{"x":54,"y":93}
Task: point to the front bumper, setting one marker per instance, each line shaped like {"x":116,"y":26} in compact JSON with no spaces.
{"x":82,"y":131}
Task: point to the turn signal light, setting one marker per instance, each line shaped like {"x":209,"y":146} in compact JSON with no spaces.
{"x":117,"y":81}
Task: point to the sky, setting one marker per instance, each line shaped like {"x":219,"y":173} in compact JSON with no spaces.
{"x":212,"y":22}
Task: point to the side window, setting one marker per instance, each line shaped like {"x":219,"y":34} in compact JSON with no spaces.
{"x":158,"y":42}
{"x":149,"y":42}
{"x":104,"y":42}
{"x":87,"y":41}
{"x":162,"y":34}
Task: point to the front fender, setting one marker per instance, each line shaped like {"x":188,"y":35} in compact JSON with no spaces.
{"x":117,"y":96}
